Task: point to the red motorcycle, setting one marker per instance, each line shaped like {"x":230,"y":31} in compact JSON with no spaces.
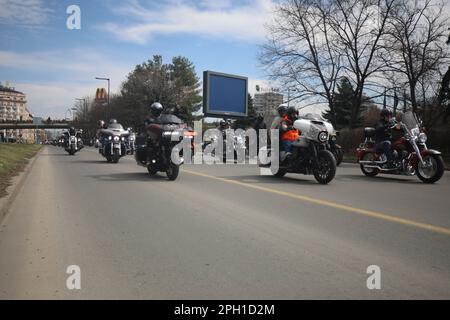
{"x":412,"y":157}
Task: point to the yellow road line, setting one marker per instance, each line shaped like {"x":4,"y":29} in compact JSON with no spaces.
{"x":364,"y":212}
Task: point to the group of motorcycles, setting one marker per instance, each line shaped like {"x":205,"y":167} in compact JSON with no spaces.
{"x":314,"y":153}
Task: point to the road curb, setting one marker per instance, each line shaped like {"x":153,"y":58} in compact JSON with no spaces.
{"x":14,"y":189}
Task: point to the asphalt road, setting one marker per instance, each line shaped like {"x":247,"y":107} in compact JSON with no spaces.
{"x":221,"y":232}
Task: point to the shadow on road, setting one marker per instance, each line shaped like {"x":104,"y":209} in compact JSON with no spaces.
{"x":93,"y":161}
{"x":133,"y":176}
{"x":381,"y":178}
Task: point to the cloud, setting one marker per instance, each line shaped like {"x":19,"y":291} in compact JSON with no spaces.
{"x":24,"y":12}
{"x":50,"y":97}
{"x":81,"y":64}
{"x":226,"y":20}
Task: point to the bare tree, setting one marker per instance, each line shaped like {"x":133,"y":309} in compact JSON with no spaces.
{"x":360,"y":26}
{"x":301,"y":52}
{"x":415,"y":48}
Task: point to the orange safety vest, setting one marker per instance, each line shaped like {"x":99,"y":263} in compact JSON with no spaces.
{"x":290,"y":135}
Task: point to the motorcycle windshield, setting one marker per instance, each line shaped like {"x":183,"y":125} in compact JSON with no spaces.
{"x":410,"y":120}
{"x":313,"y":116}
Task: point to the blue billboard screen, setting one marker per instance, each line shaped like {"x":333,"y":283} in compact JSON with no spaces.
{"x":224,"y":95}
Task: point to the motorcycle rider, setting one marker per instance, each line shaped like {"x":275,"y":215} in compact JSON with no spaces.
{"x":155,"y":111}
{"x":288,"y":133}
{"x":383,"y":136}
{"x":281,"y":114}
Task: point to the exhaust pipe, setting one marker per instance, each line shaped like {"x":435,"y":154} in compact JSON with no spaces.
{"x":371,"y":162}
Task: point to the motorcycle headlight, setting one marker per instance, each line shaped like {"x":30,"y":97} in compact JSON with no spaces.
{"x":422,"y":138}
{"x":123,"y":138}
{"x":323,"y":136}
{"x":109,"y":138}
{"x":116,"y":138}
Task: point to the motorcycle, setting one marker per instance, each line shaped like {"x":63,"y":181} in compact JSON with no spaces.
{"x":73,"y":142}
{"x":131,"y":142}
{"x":239,"y":142}
{"x":309,"y":152}
{"x":411,"y":155}
{"x":332,"y":144}
{"x":154,"y":147}
{"x":113,"y":142}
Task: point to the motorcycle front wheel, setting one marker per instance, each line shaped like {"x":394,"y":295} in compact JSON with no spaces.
{"x":151,"y":170}
{"x":432,"y":169}
{"x":172,"y":171}
{"x":116,"y":156}
{"x":338,"y":155}
{"x":327,"y":167}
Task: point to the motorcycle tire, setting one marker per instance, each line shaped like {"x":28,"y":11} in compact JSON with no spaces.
{"x":338,"y":155}
{"x":369,"y":172}
{"x":439,"y":169}
{"x":326,"y":161}
{"x":280,"y":173}
{"x":116,"y":156}
{"x":172,"y":171}
{"x":151,"y":170}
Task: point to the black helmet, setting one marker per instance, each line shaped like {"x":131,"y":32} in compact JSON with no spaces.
{"x":385,"y":113}
{"x":71,"y":130}
{"x":113,"y":121}
{"x":155,"y":109}
{"x":282,"y":110}
{"x":291,"y":112}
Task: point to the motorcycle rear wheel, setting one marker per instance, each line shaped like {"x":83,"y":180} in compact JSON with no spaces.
{"x":370,"y":172}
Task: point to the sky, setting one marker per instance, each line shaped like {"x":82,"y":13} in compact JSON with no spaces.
{"x":53,"y":65}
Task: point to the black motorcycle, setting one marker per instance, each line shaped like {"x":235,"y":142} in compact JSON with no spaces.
{"x":154,"y":147}
{"x":113,"y":142}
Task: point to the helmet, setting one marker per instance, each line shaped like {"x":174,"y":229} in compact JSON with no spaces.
{"x":291,"y":112}
{"x":71,"y":130}
{"x":155,"y":109}
{"x":100,"y":123}
{"x":113,"y":121}
{"x":281,"y":110}
{"x":385,"y":113}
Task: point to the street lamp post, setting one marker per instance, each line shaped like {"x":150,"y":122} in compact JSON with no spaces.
{"x":289,"y":95}
{"x":107,"y":79}
{"x":84,"y":106}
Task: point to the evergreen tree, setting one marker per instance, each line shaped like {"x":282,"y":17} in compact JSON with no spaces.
{"x":343,"y":98}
